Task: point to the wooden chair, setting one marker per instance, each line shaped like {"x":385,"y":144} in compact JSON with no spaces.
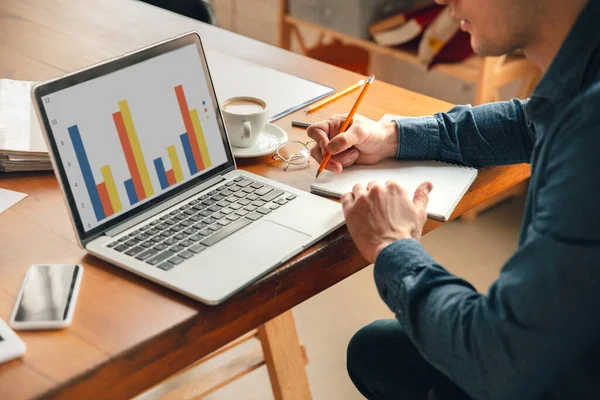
{"x":280,"y":351}
{"x":201,"y":10}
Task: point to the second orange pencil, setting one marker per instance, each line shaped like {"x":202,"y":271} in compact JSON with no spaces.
{"x":333,"y":97}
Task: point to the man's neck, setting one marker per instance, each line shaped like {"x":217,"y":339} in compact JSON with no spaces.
{"x":554,"y":26}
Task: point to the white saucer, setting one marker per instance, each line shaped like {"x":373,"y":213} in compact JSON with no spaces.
{"x":268,"y":140}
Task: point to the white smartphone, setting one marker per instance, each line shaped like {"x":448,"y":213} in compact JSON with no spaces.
{"x":11,"y":346}
{"x":47,"y":297}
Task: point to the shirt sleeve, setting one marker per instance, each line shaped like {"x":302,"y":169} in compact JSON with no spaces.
{"x":541,"y":315}
{"x":491,"y":134}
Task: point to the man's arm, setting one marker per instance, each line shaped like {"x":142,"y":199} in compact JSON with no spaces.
{"x":490,"y":134}
{"x":541,"y":315}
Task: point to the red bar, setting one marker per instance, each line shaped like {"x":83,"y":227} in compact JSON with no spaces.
{"x":126,"y":145}
{"x":171,"y":177}
{"x":189,"y":127}
{"x":105,"y":199}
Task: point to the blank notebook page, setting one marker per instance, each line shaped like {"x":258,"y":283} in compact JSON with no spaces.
{"x":450,"y":182}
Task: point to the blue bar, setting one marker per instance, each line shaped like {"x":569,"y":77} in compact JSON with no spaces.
{"x":189,"y":156}
{"x":160,"y":171}
{"x":131,"y":191}
{"x":86,"y":170}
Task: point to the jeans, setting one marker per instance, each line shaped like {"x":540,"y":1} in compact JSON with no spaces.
{"x":383,"y":363}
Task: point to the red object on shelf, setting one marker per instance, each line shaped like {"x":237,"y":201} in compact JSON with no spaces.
{"x":457,"y":49}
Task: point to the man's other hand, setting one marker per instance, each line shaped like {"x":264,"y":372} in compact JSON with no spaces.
{"x":379,"y":214}
{"x":364,"y":142}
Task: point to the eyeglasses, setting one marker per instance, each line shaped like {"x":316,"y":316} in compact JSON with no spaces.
{"x":293,"y":153}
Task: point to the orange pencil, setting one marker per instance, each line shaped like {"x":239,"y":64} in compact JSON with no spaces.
{"x":347,"y":121}
{"x":333,"y":97}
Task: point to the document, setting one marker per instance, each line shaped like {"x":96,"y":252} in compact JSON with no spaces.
{"x":8,"y":198}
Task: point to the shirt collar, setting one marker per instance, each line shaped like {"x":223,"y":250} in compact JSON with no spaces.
{"x":570,"y":69}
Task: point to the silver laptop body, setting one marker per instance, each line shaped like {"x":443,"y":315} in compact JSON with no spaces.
{"x":140,"y":150}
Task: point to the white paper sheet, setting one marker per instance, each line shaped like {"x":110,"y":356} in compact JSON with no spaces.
{"x":19,"y":126}
{"x":283,"y":93}
{"x":8,"y":198}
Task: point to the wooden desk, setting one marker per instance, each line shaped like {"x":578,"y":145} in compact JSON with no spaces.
{"x":128,"y":333}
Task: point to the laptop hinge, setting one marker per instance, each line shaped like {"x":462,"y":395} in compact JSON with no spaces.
{"x":163,"y":206}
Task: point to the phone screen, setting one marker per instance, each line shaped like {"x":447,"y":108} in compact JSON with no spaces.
{"x":47,"y":293}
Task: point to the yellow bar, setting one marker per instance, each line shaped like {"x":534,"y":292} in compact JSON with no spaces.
{"x":135,"y":146}
{"x":111,"y":188}
{"x":175,"y":163}
{"x":200,"y":138}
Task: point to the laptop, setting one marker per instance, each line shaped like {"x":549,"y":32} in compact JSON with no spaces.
{"x":141,"y":152}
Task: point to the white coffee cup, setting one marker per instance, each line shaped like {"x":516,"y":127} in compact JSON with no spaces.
{"x":245,"y":118}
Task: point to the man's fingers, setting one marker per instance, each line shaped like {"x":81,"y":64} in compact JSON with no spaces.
{"x":319,"y":133}
{"x":346,"y":199}
{"x":358,"y":190}
{"x":335,"y":123}
{"x":355,"y":135}
{"x":368,"y":159}
{"x":315,"y":152}
{"x":332,"y":165}
{"x":421,"y":197}
{"x":371,"y":184}
{"x":347,"y":158}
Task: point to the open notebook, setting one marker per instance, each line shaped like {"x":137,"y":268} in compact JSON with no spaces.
{"x":450,"y":182}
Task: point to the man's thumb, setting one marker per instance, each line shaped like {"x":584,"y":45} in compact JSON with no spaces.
{"x":421,"y":197}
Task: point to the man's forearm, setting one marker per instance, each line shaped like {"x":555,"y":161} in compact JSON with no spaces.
{"x":491,"y":134}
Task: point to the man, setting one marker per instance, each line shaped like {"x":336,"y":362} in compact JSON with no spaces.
{"x":537,"y":332}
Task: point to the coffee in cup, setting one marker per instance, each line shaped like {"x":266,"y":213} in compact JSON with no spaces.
{"x":245,"y":118}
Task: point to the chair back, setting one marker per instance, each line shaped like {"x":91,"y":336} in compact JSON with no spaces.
{"x":201,"y":10}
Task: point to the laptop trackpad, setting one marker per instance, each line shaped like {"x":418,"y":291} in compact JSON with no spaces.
{"x":265,"y":244}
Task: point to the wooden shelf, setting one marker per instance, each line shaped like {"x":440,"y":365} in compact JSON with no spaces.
{"x":468,"y":69}
{"x":488,"y":73}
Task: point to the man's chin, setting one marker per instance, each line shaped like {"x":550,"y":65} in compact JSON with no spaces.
{"x":475,"y":45}
{"x":486,"y":49}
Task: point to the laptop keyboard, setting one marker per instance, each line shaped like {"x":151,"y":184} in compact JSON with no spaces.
{"x":202,"y":222}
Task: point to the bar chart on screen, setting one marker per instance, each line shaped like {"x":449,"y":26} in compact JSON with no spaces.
{"x":124,"y":146}
{"x":104,"y":196}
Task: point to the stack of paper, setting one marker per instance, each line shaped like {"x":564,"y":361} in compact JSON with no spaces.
{"x":22,"y":147}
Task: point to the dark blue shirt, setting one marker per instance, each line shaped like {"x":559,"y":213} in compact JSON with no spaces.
{"x":536,"y":334}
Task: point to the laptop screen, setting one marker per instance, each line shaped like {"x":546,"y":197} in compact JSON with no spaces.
{"x":135,"y":134}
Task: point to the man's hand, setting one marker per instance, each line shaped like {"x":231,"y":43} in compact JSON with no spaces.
{"x":378,"y":215}
{"x":364,"y":142}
